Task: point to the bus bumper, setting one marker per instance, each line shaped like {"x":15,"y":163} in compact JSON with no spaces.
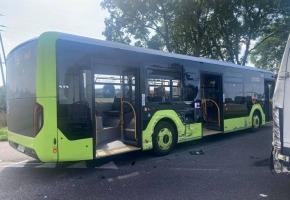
{"x":26,"y":150}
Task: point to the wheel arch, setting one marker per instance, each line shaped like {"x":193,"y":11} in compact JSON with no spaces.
{"x":172,"y":123}
{"x":162,"y":115}
{"x":257,"y":108}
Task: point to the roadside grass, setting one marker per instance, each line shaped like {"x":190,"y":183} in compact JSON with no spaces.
{"x":3,"y":134}
{"x":3,"y":127}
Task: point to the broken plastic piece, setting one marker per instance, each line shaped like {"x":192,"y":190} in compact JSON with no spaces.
{"x":263,"y":195}
{"x":200,"y":152}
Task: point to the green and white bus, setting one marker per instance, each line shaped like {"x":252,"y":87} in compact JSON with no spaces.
{"x":72,"y":98}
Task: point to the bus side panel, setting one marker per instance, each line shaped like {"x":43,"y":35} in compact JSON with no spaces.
{"x":194,"y":131}
{"x":46,"y":140}
{"x":74,"y":150}
{"x":240,"y":123}
{"x":236,"y":124}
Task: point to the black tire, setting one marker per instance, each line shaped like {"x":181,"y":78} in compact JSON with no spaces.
{"x":256,"y":121}
{"x":164,"y":138}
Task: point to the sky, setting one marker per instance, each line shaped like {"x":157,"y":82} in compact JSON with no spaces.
{"x":24,"y":20}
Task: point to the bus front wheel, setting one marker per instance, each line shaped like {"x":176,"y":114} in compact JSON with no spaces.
{"x":163,"y":138}
{"x":256,"y":121}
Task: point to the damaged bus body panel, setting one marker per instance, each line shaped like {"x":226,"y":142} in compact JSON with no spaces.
{"x":281,"y":115}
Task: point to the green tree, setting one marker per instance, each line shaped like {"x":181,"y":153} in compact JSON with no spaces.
{"x":190,"y":26}
{"x":268,"y":51}
{"x":147,"y":23}
{"x":220,"y":29}
{"x":237,"y":24}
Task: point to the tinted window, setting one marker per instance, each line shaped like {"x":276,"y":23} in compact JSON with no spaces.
{"x":234,"y":90}
{"x":21,"y":88}
{"x":21,"y":72}
{"x":254,"y":85}
{"x":163,"y":85}
{"x":75,"y":88}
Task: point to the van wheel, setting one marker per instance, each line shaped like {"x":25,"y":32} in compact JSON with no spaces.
{"x":163,"y":138}
{"x":256,"y":121}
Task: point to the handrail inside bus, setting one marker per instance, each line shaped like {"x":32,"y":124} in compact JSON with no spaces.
{"x":204,"y":101}
{"x":135,"y":128}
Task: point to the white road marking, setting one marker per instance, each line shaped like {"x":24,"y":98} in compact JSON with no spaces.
{"x":109,"y":165}
{"x":80,"y":165}
{"x":124,"y":176}
{"x":14,"y":164}
{"x":193,"y":169}
{"x":128,"y":175}
{"x":47,"y":165}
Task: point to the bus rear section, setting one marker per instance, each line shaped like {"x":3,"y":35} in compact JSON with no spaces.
{"x":24,"y":114}
{"x":64,"y":104}
{"x":280,"y":155}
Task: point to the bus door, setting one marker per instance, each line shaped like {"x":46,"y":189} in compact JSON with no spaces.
{"x":212,"y":101}
{"x":130,"y":120}
{"x":269,"y":90}
{"x":75,"y":114}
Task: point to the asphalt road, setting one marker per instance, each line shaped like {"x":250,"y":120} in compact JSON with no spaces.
{"x":233,"y":166}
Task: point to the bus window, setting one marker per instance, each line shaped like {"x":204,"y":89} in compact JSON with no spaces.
{"x":21,"y":89}
{"x":190,"y":93}
{"x":107,"y":87}
{"x":162,"y":90}
{"x":129,"y":87}
{"x":74,"y":108}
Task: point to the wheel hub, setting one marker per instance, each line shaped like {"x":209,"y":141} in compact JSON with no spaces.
{"x":165,"y":139}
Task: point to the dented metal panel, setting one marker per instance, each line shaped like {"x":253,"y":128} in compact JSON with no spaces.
{"x":281,"y":115}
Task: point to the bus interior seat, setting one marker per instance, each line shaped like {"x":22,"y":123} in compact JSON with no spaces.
{"x":152,"y":98}
{"x":149,"y":98}
{"x":228,"y":100}
{"x":116,"y":107}
{"x":240,"y":99}
{"x":79,"y":113}
{"x":248,"y":100}
{"x":111,"y":118}
{"x":157,"y":99}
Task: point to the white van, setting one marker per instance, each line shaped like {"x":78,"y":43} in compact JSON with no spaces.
{"x":280,"y":156}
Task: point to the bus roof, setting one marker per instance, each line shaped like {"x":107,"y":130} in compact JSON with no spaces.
{"x":87,"y":40}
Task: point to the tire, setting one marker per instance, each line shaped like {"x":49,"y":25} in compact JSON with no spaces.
{"x":256,"y":121}
{"x":164,"y":138}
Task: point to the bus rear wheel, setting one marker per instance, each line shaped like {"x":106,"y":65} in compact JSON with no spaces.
{"x":163,"y":138}
{"x":256,"y":121}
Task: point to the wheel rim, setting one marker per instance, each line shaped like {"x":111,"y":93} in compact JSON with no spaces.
{"x":256,"y":121}
{"x":164,"y":139}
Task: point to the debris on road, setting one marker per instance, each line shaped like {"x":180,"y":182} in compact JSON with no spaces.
{"x":263,"y":195}
{"x":200,"y":152}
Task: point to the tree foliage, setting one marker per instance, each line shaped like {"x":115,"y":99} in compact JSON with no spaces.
{"x":221,"y":29}
{"x":269,"y":49}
